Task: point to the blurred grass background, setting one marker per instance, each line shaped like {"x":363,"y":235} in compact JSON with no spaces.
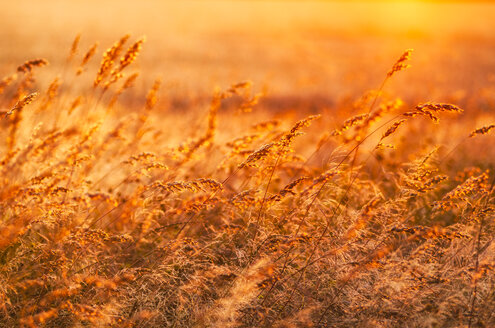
{"x":326,"y":51}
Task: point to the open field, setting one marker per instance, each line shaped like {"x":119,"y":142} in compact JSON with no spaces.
{"x":247,"y":164}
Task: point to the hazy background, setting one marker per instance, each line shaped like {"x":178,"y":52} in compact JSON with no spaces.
{"x":325,"y":50}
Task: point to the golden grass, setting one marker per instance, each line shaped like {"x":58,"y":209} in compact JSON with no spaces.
{"x":128,"y":212}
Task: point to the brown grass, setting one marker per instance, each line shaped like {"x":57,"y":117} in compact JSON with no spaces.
{"x":128,"y":212}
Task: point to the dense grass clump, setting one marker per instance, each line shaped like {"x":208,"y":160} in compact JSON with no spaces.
{"x":119,"y":210}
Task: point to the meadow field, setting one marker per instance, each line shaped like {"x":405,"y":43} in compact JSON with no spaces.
{"x":247,"y":164}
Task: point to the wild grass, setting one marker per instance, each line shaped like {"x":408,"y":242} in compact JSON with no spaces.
{"x":119,"y":213}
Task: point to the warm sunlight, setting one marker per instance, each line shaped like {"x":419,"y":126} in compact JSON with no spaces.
{"x":268,"y":163}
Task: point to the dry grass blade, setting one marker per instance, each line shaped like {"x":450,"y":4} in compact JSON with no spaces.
{"x":22,"y":103}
